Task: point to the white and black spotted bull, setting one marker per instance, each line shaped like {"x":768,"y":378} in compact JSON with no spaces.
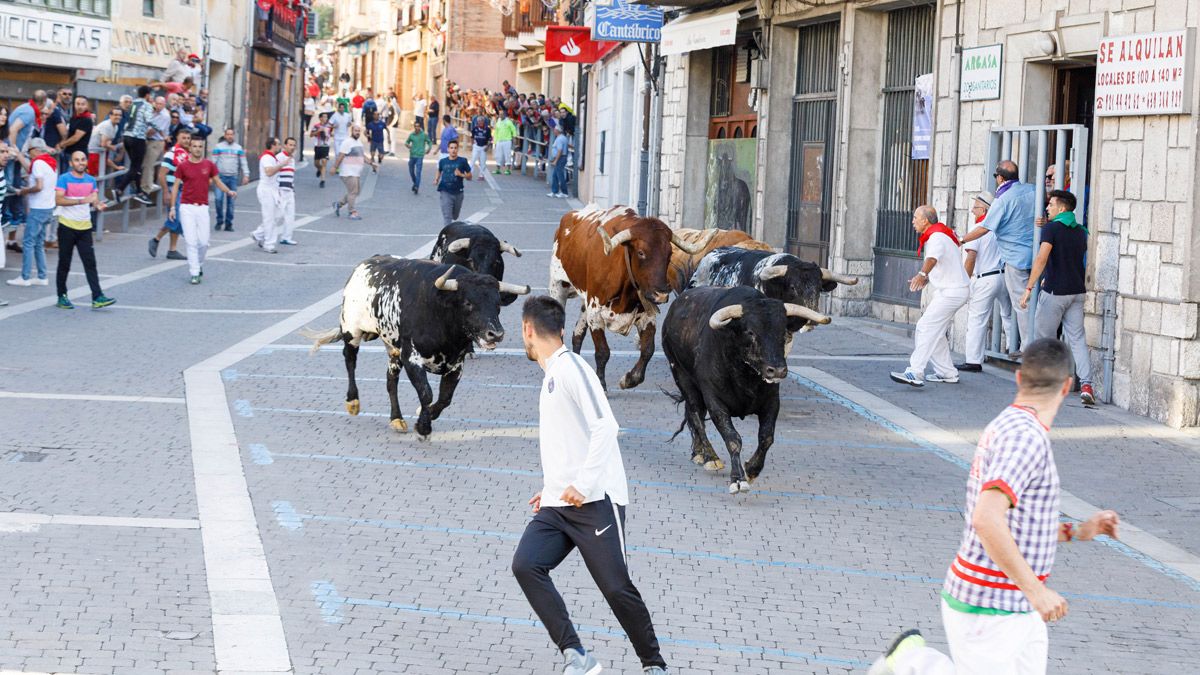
{"x":429,"y":316}
{"x":616,"y":261}
{"x":476,"y":248}
{"x":781,"y":276}
{"x":725,"y":347}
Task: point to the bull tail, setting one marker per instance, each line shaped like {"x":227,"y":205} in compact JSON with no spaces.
{"x":677,"y":398}
{"x":321,"y":337}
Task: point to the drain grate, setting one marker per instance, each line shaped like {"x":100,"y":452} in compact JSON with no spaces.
{"x":27,"y":457}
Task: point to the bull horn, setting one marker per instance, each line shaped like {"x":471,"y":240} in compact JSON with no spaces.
{"x":614,"y":241}
{"x":445,"y":283}
{"x":514,"y":289}
{"x":805,"y":313}
{"x":829,"y":275}
{"x":459,"y":245}
{"x":693,"y":249}
{"x":772,"y":272}
{"x":723,"y":316}
{"x":508,"y":248}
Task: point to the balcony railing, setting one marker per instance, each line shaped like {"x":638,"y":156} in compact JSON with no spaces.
{"x":97,"y":8}
{"x":536,"y":15}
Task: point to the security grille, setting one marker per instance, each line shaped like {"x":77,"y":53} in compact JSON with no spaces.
{"x":814,"y":112}
{"x":903,"y":181}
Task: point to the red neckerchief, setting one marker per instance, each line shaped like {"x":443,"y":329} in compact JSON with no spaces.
{"x":980,"y":219}
{"x":49,"y":160}
{"x":37,"y":114}
{"x":936,"y":227}
{"x":266,"y":153}
{"x":86,"y":114}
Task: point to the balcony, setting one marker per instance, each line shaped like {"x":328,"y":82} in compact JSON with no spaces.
{"x":528,"y":16}
{"x":94,"y":8}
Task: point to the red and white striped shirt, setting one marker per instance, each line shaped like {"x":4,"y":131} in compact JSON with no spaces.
{"x":1013,"y":456}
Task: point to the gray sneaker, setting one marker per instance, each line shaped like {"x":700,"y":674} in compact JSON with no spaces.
{"x":655,"y":670}
{"x":578,"y":663}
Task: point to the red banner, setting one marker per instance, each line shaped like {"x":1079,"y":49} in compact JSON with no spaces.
{"x":574,"y":44}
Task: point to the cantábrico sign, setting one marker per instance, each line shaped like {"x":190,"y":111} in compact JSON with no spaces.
{"x":59,"y":40}
{"x":622,"y":21}
{"x":981,"y":71}
{"x":1147,"y":74}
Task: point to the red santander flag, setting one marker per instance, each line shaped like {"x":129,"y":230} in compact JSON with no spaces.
{"x":574,"y":44}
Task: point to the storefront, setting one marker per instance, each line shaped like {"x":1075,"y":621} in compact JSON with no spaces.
{"x":273,"y":96}
{"x":46,"y":50}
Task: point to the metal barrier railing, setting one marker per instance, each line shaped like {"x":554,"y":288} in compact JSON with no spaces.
{"x":103,"y":175}
{"x":522,"y":154}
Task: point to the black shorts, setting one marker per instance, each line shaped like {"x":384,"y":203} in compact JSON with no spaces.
{"x":321,"y":152}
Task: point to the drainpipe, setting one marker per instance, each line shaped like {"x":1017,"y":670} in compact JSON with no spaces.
{"x":656,"y":136}
{"x":1108,"y":342}
{"x":957,"y":111}
{"x":647,"y":90}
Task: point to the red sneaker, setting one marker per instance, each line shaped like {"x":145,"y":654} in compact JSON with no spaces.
{"x":1086,"y":395}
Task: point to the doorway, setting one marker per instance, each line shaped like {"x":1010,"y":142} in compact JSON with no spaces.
{"x":814,"y":113}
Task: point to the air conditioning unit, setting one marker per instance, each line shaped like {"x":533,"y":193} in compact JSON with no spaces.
{"x":314,"y":25}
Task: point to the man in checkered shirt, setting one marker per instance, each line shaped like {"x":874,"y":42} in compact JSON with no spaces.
{"x":995,"y":603}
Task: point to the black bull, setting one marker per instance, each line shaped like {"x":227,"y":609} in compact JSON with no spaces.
{"x":476,"y":248}
{"x":725,"y":347}
{"x":429,"y":316}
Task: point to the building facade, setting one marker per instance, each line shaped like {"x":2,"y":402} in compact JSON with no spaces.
{"x":44,"y":46}
{"x":838,"y":119}
{"x":273,"y":101}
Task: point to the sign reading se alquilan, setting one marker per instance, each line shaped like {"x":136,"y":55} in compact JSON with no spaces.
{"x":982,"y":68}
{"x":1146,"y":74}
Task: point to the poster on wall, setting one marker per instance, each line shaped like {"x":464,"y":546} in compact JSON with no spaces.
{"x":922,"y":130}
{"x":1146,"y":74}
{"x":729,"y":202}
{"x":981,"y":72}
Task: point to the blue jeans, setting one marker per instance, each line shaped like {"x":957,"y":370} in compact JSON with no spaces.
{"x":558,"y":179}
{"x":415,"y":165}
{"x":225,"y":204}
{"x":34,"y":243}
{"x":433,"y":124}
{"x":14,"y":207}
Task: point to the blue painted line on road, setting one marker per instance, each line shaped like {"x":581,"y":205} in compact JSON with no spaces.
{"x":1118,"y":546}
{"x":229,"y":374}
{"x":721,"y":490}
{"x":243,"y":408}
{"x":328,"y":595}
{"x":328,"y":601}
{"x":288,"y":518}
{"x":259,"y":454}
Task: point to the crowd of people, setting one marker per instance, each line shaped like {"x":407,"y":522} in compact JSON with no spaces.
{"x":56,"y":149}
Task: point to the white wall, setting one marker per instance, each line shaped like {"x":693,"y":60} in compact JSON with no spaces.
{"x":617,"y":107}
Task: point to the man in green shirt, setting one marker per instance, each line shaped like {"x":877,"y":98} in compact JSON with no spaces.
{"x":418,"y":146}
{"x":503,"y":134}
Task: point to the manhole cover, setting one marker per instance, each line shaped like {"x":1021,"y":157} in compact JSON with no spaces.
{"x":27,"y":457}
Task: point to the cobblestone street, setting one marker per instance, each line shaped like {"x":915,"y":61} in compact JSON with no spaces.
{"x":184,"y":492}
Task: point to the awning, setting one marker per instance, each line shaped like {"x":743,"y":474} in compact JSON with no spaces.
{"x":702,"y":30}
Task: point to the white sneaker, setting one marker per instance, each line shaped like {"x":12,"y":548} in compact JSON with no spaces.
{"x":551,"y":194}
{"x":39,"y":282}
{"x":18,"y":281}
{"x":907,"y":377}
{"x":952,"y":379}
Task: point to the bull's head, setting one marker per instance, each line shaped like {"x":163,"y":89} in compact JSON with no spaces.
{"x":474,"y":300}
{"x":798,"y":282}
{"x":485,"y":258}
{"x":648,"y":244}
{"x":759,"y":329}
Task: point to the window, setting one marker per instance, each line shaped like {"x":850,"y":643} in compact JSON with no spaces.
{"x":83,"y":7}
{"x":148,"y":8}
{"x":722,"y":81}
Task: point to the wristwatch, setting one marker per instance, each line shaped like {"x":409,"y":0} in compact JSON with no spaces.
{"x":922,"y":274}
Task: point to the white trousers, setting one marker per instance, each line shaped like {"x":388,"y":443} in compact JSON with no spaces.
{"x":932,"y":347}
{"x":268,"y":230}
{"x":287,"y":212}
{"x":479,"y":157}
{"x":196,"y":229}
{"x":985,"y":291}
{"x":503,"y":153}
{"x":1016,"y":644}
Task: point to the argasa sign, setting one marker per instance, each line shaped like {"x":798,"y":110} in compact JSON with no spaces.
{"x":1147,"y":74}
{"x":981,"y":71}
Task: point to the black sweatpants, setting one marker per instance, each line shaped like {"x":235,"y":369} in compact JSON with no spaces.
{"x":135,"y":149}
{"x":597,"y":529}
{"x":69,"y":240}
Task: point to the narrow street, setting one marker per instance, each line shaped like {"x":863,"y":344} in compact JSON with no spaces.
{"x":184,"y":491}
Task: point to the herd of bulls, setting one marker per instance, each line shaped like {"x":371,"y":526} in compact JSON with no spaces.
{"x":726,"y":336}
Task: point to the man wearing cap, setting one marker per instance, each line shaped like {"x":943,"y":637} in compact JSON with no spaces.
{"x":983,"y":266}
{"x":43,"y":179}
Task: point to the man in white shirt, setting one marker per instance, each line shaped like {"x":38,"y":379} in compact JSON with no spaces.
{"x":419,"y":106}
{"x":341,"y":121}
{"x":267,"y":192}
{"x":582,"y":501}
{"x":156,"y":138}
{"x":352,"y":157}
{"x":981,"y":260}
{"x":287,"y":190}
{"x":943,"y":270}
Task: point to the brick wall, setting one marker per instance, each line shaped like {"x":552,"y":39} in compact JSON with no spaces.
{"x":474,"y":27}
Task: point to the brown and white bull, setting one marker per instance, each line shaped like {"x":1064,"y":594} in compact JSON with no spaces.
{"x":616,"y":262}
{"x":683,"y":264}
